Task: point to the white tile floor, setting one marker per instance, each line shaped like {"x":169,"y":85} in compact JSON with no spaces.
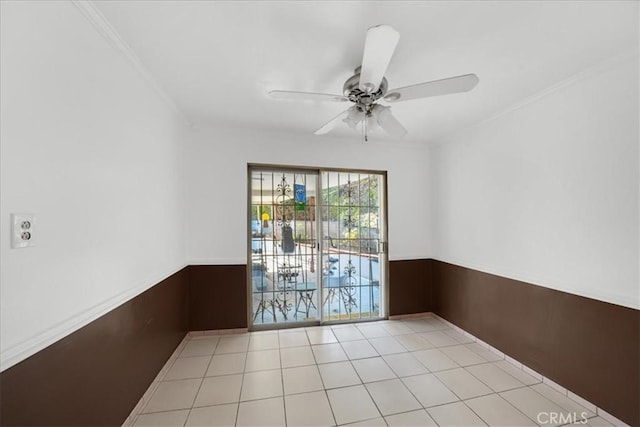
{"x":409,"y":372}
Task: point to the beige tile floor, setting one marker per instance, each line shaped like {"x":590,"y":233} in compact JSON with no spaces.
{"x":409,"y":372}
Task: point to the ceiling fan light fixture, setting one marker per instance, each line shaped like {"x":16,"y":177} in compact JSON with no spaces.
{"x":389,"y":123}
{"x":372,"y":121}
{"x":354,"y":117}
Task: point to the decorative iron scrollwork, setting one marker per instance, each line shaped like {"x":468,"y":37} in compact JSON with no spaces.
{"x":348,"y":195}
{"x":349,"y":222}
{"x":348,"y":192}
{"x":348,"y":287}
{"x":284,"y":209}
{"x":350,"y":269}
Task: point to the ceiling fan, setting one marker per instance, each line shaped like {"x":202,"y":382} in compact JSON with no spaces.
{"x":368,"y":86}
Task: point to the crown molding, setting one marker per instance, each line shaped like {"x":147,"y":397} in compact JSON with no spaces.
{"x":592,"y":71}
{"x":106,"y":30}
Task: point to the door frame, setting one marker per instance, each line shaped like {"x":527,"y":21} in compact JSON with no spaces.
{"x":384,"y":242}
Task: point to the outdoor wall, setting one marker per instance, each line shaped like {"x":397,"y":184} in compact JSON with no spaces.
{"x":91,"y":150}
{"x":547,"y":193}
{"x":218,"y":158}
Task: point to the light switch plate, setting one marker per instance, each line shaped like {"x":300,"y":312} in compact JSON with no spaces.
{"x":22,"y":230}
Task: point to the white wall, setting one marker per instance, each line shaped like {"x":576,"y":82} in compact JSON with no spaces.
{"x":218,"y":161}
{"x":126,"y":196}
{"x":548,"y":192}
{"x":92,"y":150}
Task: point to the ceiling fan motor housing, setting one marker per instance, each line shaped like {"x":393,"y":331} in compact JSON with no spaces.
{"x":379,"y":46}
{"x":362,"y":98}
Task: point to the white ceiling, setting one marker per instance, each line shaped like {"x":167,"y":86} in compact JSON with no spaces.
{"x":217,"y":59}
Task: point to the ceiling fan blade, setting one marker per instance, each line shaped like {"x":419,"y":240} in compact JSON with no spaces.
{"x":378,"y":48}
{"x":446,"y":86}
{"x":331,"y":124}
{"x":387,"y":122}
{"x":288,"y":94}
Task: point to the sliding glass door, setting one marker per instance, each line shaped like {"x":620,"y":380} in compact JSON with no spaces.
{"x":284,"y":254}
{"x":353,"y":255}
{"x":316,"y":246}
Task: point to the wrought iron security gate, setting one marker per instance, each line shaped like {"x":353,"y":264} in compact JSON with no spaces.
{"x":316,"y":246}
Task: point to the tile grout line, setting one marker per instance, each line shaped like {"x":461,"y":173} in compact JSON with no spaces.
{"x":555,"y":403}
{"x":146,"y":397}
{"x":474,"y":412}
{"x":326,"y":390}
{"x":284,"y":403}
{"x":324,"y":387}
{"x":540,"y":379}
{"x":497,"y":394}
{"x":204,"y":376}
{"x":244,"y":367}
{"x":362,"y":383}
{"x":397,"y":378}
{"x":608,"y":417}
{"x":369,"y":392}
{"x":493,"y":392}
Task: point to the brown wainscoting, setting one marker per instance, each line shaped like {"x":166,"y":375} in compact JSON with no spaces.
{"x":218,"y":293}
{"x":217,"y":297}
{"x":96,"y":375}
{"x":409,"y":286}
{"x":588,"y":346}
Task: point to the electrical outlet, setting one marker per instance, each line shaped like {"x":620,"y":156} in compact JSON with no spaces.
{"x":22,"y":230}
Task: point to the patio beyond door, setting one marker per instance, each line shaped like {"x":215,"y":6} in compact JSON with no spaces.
{"x":317,"y":250}
{"x":352,"y":246}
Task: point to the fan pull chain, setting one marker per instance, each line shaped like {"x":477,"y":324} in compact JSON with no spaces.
{"x":364,"y":129}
